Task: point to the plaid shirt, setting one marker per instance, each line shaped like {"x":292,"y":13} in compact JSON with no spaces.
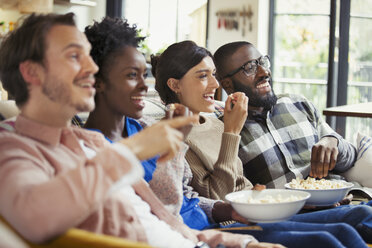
{"x":276,"y":147}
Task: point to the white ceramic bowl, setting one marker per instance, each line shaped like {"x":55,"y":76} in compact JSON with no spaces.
{"x":325,"y":197}
{"x":267,"y":212}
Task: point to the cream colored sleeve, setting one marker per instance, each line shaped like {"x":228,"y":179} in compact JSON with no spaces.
{"x":167,"y":182}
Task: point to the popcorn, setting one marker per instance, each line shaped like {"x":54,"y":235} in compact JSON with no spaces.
{"x":170,"y":106}
{"x":268,"y":199}
{"x":312,"y":183}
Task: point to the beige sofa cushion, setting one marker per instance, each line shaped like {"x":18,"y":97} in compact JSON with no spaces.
{"x":8,"y":109}
{"x":154,"y":110}
{"x":362,"y":170}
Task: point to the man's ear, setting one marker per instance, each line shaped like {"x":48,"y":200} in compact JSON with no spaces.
{"x":227,"y":85}
{"x":32,"y":72}
{"x":174,"y":84}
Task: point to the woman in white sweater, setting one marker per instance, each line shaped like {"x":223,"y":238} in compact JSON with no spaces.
{"x":185,"y":73}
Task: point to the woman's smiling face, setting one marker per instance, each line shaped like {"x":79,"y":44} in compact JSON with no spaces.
{"x":197,"y":87}
{"x":125,"y":88}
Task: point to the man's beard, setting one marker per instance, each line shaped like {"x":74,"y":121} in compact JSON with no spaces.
{"x":256,"y":100}
{"x":57,"y":91}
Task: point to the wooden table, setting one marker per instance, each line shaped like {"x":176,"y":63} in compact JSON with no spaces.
{"x":353,"y":110}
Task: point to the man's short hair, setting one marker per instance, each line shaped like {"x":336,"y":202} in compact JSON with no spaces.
{"x":27,"y":42}
{"x":222,"y":55}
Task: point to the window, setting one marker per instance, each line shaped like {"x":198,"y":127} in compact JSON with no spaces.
{"x":309,"y":54}
{"x":167,"y":21}
{"x":359,"y":84}
{"x":301,"y":49}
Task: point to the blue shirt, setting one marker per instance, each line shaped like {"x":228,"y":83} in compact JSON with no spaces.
{"x":133,"y":127}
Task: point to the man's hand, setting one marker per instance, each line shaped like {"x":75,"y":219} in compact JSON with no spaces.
{"x":235,"y":112}
{"x":162,"y":139}
{"x":323,"y":157}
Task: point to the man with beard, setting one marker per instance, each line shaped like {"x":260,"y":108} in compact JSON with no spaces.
{"x":284,"y":136}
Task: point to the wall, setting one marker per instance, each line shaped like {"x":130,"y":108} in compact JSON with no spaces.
{"x":197,"y":31}
{"x":9,"y":15}
{"x":258,"y":35}
{"x":84,"y":16}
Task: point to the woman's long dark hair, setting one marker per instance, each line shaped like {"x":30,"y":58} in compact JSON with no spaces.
{"x":175,"y":62}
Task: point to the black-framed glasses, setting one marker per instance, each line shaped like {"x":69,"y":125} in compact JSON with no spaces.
{"x":250,"y":67}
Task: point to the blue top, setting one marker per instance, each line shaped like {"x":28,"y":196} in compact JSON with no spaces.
{"x":191,"y":213}
{"x":133,"y":127}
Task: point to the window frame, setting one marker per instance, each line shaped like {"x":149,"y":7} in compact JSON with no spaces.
{"x":337,"y":79}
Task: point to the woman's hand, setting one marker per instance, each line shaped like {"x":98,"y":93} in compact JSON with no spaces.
{"x":176,"y":110}
{"x":162,"y":138}
{"x":259,"y":187}
{"x":235,"y":112}
{"x":223,"y":211}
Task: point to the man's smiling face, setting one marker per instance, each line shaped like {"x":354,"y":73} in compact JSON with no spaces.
{"x":257,"y":86}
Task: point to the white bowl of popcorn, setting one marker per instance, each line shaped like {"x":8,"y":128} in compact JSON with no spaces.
{"x":268,"y":205}
{"x":323,"y":192}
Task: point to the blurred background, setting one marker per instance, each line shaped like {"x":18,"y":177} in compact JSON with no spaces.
{"x":318,"y":48}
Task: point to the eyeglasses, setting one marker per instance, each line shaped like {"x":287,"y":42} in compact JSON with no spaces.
{"x":251,"y":66}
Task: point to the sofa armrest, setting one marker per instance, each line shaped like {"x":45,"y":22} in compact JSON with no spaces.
{"x":76,"y":238}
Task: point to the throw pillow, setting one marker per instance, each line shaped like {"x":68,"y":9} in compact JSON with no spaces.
{"x":362,"y":170}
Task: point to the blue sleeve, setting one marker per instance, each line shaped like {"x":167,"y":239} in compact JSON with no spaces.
{"x":133,"y":127}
